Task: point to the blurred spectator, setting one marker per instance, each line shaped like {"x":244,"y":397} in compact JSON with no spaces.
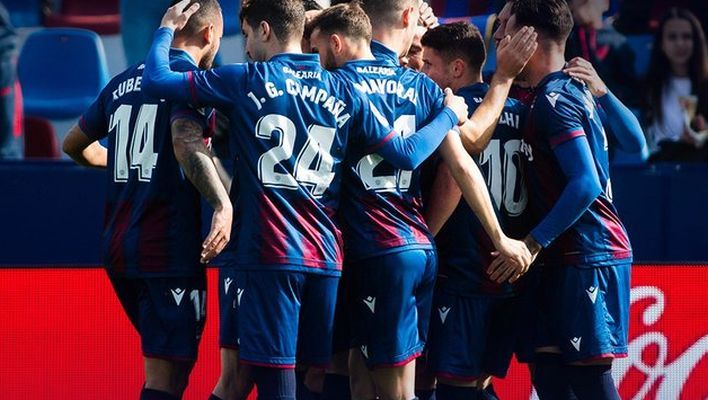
{"x":9,"y":144}
{"x":604,"y":47}
{"x":678,"y":89}
{"x":139,"y":20}
{"x":642,"y":16}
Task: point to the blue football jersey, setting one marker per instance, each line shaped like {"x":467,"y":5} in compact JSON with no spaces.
{"x":382,"y":206}
{"x":563,"y":109}
{"x":291,"y":125}
{"x":152,"y":221}
{"x":464,"y":248}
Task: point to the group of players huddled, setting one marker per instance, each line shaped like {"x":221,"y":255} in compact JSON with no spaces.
{"x":382,"y":237}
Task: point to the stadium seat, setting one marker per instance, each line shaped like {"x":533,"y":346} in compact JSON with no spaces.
{"x":102,"y":16}
{"x":230,"y":10}
{"x":40,"y":140}
{"x":24,"y":13}
{"x":61,"y":70}
{"x":641,"y":46}
{"x":485,"y":24}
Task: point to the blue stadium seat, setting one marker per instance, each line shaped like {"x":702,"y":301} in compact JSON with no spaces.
{"x":641,"y":46}
{"x":230,"y":10}
{"x":61,"y":71}
{"x":24,"y":13}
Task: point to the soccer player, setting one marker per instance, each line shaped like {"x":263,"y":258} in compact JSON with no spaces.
{"x":467,"y":303}
{"x":152,"y":233}
{"x":292,"y":123}
{"x":583,"y":298}
{"x":385,"y":235}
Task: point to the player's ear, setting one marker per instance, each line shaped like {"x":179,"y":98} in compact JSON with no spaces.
{"x":209,"y":34}
{"x":407,"y":18}
{"x":264,"y":31}
{"x":336,"y":42}
{"x":458,"y":68}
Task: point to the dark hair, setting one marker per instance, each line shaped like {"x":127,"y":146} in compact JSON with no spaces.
{"x":384,"y":12}
{"x":347,"y":19}
{"x":285,"y":17}
{"x":457,"y":40}
{"x":551,"y":18}
{"x":659,"y":71}
{"x":311,"y":5}
{"x":207,"y":12}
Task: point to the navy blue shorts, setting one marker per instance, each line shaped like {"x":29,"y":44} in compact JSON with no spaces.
{"x":392,"y":296}
{"x":168,"y":313}
{"x":276,"y":318}
{"x":471,"y":336}
{"x":584,"y":311}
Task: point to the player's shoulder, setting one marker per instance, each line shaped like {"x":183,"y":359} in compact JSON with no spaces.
{"x":559,"y":89}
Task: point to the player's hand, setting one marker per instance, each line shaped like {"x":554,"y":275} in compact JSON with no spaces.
{"x":457,"y":104}
{"x":427,"y":17}
{"x":514,"y":52}
{"x":582,"y":69}
{"x":177,"y":16}
{"x":513,"y":259}
{"x":219,"y":235}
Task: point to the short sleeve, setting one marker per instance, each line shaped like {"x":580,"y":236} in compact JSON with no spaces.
{"x":93,"y":122}
{"x":557,"y":118}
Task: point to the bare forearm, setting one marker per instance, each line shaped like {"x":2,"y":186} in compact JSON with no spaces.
{"x":83,"y":150}
{"x":224,"y":175}
{"x":445,"y":195}
{"x":479,"y":128}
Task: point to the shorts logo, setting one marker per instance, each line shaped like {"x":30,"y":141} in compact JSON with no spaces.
{"x":370,"y":302}
{"x":443,"y":313}
{"x":592,"y":293}
{"x":239,"y":293}
{"x":177,"y":294}
{"x":365,"y":351}
{"x":576,"y":342}
{"x":227,"y":283}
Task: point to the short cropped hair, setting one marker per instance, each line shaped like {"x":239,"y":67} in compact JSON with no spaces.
{"x":207,"y":12}
{"x":385,"y":12}
{"x":551,"y":18}
{"x":347,"y":19}
{"x":311,"y":5}
{"x":457,"y":40}
{"x":285,"y":17}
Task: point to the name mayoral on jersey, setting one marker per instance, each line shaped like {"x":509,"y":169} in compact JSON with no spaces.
{"x":313,"y":94}
{"x":386,"y":86}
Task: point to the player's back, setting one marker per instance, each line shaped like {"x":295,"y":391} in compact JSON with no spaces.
{"x":152,"y":218}
{"x":464,"y":248}
{"x":564,"y":109}
{"x":291,"y":130}
{"x":382,"y":208}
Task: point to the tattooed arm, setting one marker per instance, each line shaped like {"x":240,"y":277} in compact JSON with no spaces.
{"x":196,"y":161}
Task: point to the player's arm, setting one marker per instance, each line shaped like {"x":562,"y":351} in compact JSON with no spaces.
{"x":196,"y":161}
{"x":445,"y":195}
{"x":409,"y":152}
{"x":512,"y":56}
{"x":84,"y":150}
{"x":474,"y":190}
{"x":623,"y":124}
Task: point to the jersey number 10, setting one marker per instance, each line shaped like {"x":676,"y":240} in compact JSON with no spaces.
{"x":141,"y":144}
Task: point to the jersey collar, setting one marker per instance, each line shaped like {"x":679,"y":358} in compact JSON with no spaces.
{"x":475,"y":88}
{"x":296,"y":57}
{"x":179,"y":53}
{"x":552,"y":76}
{"x":383,"y":53}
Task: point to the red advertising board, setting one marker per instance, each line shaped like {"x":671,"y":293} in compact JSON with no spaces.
{"x":64,"y":336}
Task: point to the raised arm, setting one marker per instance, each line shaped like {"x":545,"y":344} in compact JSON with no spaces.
{"x":512,"y":56}
{"x":622,"y":122}
{"x":196,"y":161}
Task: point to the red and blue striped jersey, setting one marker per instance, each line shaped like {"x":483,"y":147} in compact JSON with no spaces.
{"x":152,"y":224}
{"x":292,"y":123}
{"x":381,"y":205}
{"x":564,"y":109}
{"x":464,"y":248}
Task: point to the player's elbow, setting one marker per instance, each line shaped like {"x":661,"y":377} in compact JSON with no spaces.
{"x":588,"y":188}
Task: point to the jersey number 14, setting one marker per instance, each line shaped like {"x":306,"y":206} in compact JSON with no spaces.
{"x":136,"y":151}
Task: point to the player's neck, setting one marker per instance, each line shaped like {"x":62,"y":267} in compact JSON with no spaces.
{"x":544,"y":62}
{"x":290,"y":47}
{"x":360,"y":51}
{"x":195,"y":52}
{"x":392,"y":38}
{"x":466,"y":80}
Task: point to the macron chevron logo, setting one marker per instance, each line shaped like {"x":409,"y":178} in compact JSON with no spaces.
{"x":592,"y":293}
{"x":227,"y":283}
{"x":365,"y":351}
{"x":239,"y":293}
{"x":553,"y":98}
{"x":177,"y":294}
{"x":443,"y":313}
{"x":576,"y":342}
{"x":371,"y":303}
